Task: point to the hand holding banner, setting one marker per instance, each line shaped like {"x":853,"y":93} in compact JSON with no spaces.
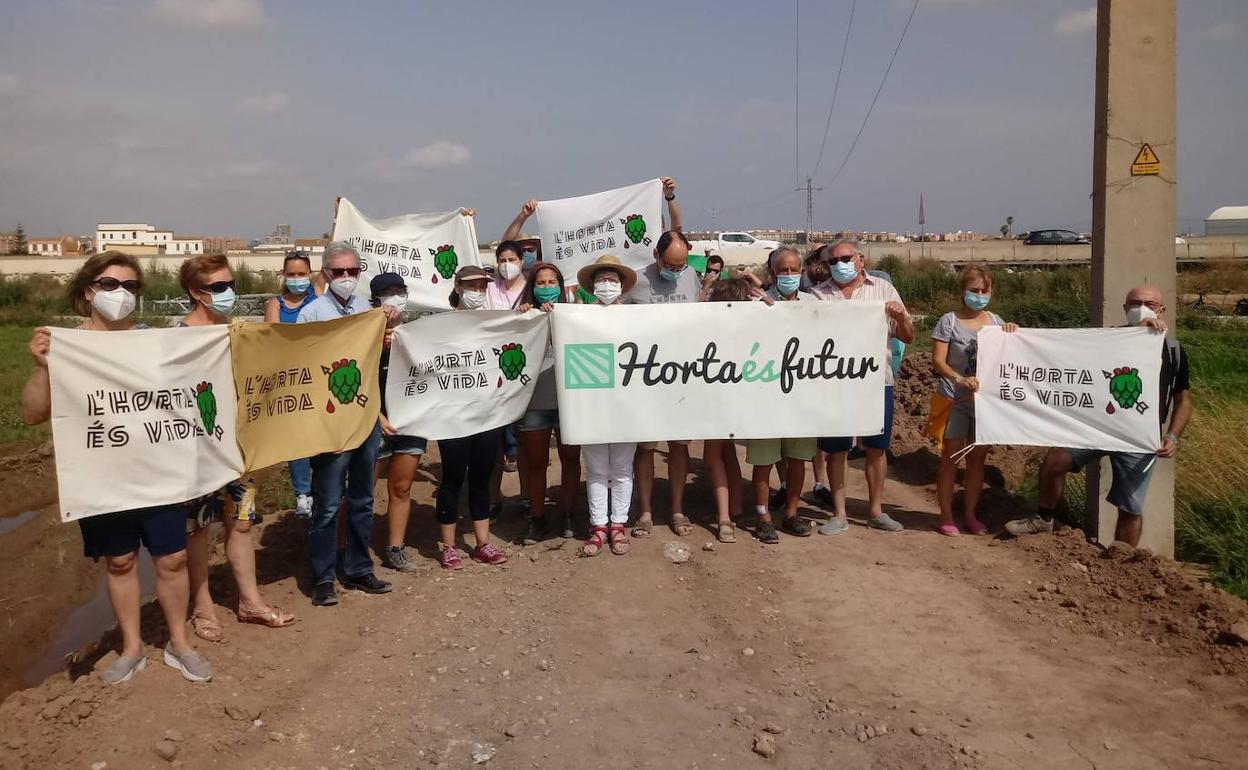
{"x":306,"y":389}
{"x":625,"y":222}
{"x":426,"y":249}
{"x":141,"y":418}
{"x":719,"y":370}
{"x":456,"y":374}
{"x":1074,"y":388}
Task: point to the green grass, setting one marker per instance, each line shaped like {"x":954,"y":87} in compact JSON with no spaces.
{"x":15,"y":364}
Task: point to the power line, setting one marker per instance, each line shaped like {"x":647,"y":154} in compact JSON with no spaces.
{"x":797,"y":101}
{"x":836,"y":87}
{"x":876,"y":98}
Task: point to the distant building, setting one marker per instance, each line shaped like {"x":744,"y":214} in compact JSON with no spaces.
{"x":65,"y":245}
{"x":1227,"y":220}
{"x":141,"y":239}
{"x":315,"y":247}
{"x":281,"y":237}
{"x":223,"y":244}
{"x":8,"y":242}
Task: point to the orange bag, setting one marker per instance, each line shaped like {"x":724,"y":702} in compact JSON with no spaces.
{"x":938,"y":410}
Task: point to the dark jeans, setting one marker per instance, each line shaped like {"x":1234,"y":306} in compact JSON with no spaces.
{"x":301,"y":476}
{"x":332,"y":475}
{"x":471,"y":458}
{"x":511,"y":447}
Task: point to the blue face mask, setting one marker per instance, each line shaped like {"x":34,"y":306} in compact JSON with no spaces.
{"x":787,"y":284}
{"x":844,"y":272}
{"x":529,"y":257}
{"x":223,"y":302}
{"x":298,"y":285}
{"x":670,"y":275}
{"x":544,"y":294}
{"x":976,"y":301}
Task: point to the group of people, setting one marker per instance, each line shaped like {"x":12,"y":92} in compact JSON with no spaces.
{"x":334,"y":492}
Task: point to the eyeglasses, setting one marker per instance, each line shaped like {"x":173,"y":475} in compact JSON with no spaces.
{"x":849,"y":258}
{"x":338,"y":272}
{"x":216,"y":287}
{"x":108,"y":283}
{"x":530,"y":251}
{"x":1151,"y":305}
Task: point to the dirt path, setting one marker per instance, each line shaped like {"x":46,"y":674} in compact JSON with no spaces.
{"x":866,"y":650}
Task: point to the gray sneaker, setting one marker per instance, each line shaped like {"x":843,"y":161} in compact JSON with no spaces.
{"x":834,"y":526}
{"x":1032,"y":525}
{"x":194,"y":667}
{"x":303,"y":506}
{"x":122,"y":669}
{"x":396,"y":558}
{"x":884,"y":522}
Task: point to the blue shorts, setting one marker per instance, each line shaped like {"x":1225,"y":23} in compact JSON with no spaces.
{"x":1132,"y":472}
{"x":538,"y":419}
{"x":881,"y":442}
{"x":401,"y":445}
{"x":162,"y":530}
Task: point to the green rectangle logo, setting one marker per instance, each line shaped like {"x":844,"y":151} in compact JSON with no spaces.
{"x":589,"y":365}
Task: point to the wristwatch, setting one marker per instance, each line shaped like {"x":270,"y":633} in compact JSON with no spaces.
{"x":669,"y":198}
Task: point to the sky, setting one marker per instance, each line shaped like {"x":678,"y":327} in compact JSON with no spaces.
{"x":226,"y":117}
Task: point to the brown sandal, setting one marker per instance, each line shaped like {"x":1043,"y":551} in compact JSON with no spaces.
{"x":273,"y":617}
{"x":643,"y":526}
{"x":727,"y":532}
{"x":681,"y":524}
{"x":619,"y":540}
{"x":206,"y":628}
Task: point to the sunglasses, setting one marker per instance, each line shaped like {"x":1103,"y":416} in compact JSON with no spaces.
{"x":849,"y":258}
{"x":112,"y":284}
{"x":339,"y":272}
{"x":216,"y":287}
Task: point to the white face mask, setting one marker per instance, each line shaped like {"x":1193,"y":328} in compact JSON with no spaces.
{"x":472,"y":300}
{"x":607,"y":291}
{"x":1140,"y":314}
{"x":344,"y":287}
{"x":396,"y":301}
{"x":113,"y":305}
{"x":509,"y":270}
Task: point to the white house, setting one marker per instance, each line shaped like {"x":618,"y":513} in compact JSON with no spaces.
{"x":143,"y":239}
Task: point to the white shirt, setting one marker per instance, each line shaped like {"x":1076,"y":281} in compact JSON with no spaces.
{"x":871,"y":288}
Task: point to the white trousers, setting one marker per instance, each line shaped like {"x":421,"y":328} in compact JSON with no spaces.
{"x":608,"y":467}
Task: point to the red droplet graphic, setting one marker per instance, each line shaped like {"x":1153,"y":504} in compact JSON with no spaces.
{"x":329,"y":406}
{"x":435,"y":279}
{"x":1109,"y":409}
{"x":500,"y":382}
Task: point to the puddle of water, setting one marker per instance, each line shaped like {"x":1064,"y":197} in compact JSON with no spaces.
{"x":87,"y":622}
{"x":11,"y":523}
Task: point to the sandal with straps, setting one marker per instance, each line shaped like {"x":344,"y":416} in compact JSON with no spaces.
{"x":681,"y":525}
{"x":596,"y":542}
{"x":618,"y":538}
{"x":206,"y":628}
{"x":273,"y":617}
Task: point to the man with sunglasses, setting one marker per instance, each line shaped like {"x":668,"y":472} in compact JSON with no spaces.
{"x":349,"y":472}
{"x":850,"y":281}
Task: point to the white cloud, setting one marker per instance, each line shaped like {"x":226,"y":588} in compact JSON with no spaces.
{"x":211,"y":14}
{"x":1075,"y":23}
{"x":9,"y":84}
{"x":440,"y":154}
{"x":264,"y":103}
{"x":1223,"y":30}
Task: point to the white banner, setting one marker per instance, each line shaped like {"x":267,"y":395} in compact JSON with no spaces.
{"x":625,"y":222}
{"x":719,"y":370}
{"x":141,"y":418}
{"x":1075,"y":388}
{"x":426,"y":249}
{"x":456,"y":374}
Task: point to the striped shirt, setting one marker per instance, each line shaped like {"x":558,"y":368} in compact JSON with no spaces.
{"x":871,"y":288}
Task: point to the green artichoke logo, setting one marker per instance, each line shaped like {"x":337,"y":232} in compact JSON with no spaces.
{"x":445,"y":260}
{"x":1125,"y":387}
{"x":634,"y":228}
{"x":344,"y":382}
{"x":511,"y":360}
{"x":207,"y":403}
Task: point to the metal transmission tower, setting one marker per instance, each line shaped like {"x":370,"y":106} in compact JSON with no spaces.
{"x":810,"y":205}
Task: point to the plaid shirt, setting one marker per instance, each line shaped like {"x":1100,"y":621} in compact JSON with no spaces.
{"x":871,"y":288}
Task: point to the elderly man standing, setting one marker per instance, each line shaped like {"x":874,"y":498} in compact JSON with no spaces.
{"x":350,"y":471}
{"x":1144,"y":307}
{"x":850,"y":281}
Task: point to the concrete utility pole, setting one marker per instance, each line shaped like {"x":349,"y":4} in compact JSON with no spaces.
{"x":1133,"y":207}
{"x":810,"y":206}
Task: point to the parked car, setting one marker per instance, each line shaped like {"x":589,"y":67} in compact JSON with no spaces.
{"x":737,"y":246}
{"x":1054,"y":238}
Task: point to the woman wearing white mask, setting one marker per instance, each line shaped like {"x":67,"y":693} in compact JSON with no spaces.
{"x":399,"y":458}
{"x":104,"y":291}
{"x":608,"y":467}
{"x":506,"y":291}
{"x":468,"y":459}
{"x":297,"y":291}
{"x":209,"y":284}
{"x":955,"y":348}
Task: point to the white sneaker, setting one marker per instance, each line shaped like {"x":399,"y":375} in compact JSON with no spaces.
{"x":303,"y":506}
{"x":1032,"y":525}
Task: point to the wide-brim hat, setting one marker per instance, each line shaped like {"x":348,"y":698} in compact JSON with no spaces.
{"x":469,"y":272}
{"x":628,"y":276}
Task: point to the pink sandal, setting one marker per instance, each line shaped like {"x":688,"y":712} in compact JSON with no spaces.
{"x":975,"y":526}
{"x":948,"y":530}
{"x":596,"y":542}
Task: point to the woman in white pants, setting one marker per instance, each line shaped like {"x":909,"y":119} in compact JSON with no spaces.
{"x":608,"y":467}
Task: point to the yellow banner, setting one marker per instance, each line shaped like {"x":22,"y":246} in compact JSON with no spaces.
{"x":306,"y":389}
